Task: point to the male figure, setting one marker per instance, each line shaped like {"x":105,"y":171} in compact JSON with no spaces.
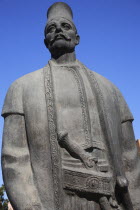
{"x":68,"y":140}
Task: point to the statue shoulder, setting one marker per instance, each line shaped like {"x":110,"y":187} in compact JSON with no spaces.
{"x":99,"y":78}
{"x":28,"y":78}
{"x":25,"y":79}
{"x":13,"y":101}
{"x":107,"y":88}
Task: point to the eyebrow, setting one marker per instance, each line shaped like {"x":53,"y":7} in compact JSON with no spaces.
{"x":52,"y":22}
{"x":49,"y":24}
{"x":63,"y":20}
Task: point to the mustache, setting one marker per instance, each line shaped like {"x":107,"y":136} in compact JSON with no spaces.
{"x":60,"y":35}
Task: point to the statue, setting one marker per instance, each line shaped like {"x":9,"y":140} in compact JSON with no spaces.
{"x":68,"y":140}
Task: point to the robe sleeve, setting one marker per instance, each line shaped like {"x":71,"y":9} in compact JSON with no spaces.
{"x":130,"y":157}
{"x":125,"y":112}
{"x":131,"y":161}
{"x":13,"y":103}
{"x":16,"y":163}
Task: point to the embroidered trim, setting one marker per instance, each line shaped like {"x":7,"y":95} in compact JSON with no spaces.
{"x":84,"y":107}
{"x":55,"y":155}
{"x":100,"y":104}
{"x":86,"y":182}
{"x":104,"y":121}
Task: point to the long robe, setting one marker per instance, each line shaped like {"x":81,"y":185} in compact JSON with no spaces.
{"x":70,"y":98}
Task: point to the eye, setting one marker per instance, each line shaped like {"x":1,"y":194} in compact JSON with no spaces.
{"x":51,"y":28}
{"x":66,"y":26}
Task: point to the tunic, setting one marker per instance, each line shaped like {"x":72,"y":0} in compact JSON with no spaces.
{"x":87,"y":107}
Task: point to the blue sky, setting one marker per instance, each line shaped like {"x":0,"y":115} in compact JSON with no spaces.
{"x":110,"y":43}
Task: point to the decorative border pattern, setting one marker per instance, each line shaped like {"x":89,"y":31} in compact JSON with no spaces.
{"x":100,"y":103}
{"x":84,"y":107}
{"x":55,"y":154}
{"x":84,"y":182}
{"x":104,"y":120}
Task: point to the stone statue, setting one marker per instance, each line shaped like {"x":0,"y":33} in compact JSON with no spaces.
{"x":68,"y":141}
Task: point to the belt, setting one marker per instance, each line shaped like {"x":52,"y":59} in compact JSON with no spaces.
{"x":88,"y":182}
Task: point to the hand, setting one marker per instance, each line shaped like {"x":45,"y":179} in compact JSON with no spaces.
{"x":89,"y":161}
{"x":122,"y":181}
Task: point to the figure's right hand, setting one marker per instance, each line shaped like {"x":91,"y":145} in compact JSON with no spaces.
{"x":122,"y":181}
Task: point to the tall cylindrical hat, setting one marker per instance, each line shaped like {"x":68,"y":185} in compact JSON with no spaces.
{"x":60,"y":10}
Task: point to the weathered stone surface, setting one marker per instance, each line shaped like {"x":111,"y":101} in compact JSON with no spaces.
{"x":68,"y":140}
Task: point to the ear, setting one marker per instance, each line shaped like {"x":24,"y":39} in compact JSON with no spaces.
{"x":77,"y":39}
{"x":45,"y":42}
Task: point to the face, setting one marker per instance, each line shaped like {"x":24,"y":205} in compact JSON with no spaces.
{"x":61,"y":35}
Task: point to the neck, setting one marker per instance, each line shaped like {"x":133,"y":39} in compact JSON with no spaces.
{"x":64,"y":58}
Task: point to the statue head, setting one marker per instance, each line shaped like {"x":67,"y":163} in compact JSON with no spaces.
{"x":60,"y":32}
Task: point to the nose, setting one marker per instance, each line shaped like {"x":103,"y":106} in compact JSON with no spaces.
{"x":58,"y":28}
